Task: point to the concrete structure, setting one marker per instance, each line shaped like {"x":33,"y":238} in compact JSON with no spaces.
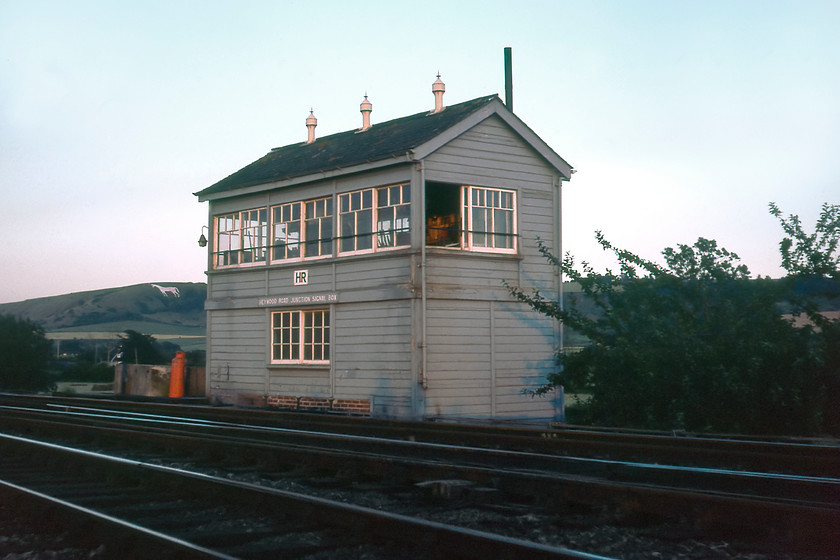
{"x":362,"y":271}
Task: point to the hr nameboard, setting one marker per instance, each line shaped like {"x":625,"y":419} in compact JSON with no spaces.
{"x":297,"y":300}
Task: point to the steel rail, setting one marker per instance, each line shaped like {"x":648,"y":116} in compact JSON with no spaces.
{"x":110,"y":527}
{"x":798,"y":456}
{"x":797,"y":488}
{"x":451,"y":542}
{"x":793,"y":514}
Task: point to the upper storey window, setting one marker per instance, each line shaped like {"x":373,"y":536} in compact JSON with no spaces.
{"x":356,"y":221}
{"x":471,"y":218}
{"x":375,"y":219}
{"x":490,"y":219}
{"x":302,"y":229}
{"x":393,"y":208}
{"x":241,"y":238}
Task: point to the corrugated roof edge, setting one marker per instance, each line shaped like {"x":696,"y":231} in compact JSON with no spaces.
{"x":395,"y":140}
{"x":343,"y":149}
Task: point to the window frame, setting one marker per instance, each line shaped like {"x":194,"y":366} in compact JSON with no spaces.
{"x":468,"y":207}
{"x":235,"y":252}
{"x":298,"y":328}
{"x":322,"y":212}
{"x":375,"y":233}
{"x":403,"y":205}
{"x":367,"y":208}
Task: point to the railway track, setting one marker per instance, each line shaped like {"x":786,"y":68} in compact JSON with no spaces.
{"x":160,"y":512}
{"x":798,"y":512}
{"x":784,"y":455}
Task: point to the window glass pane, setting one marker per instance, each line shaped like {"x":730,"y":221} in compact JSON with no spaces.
{"x":326,"y":236}
{"x":401,"y":225}
{"x":348,"y":232}
{"x":479,"y":227}
{"x":384,"y":227}
{"x":313,"y":234}
{"x":364,"y":230}
{"x":503,"y":224}
{"x":286,"y":231}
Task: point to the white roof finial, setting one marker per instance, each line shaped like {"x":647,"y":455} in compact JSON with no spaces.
{"x":311,"y":123}
{"x":366,"y":107}
{"x":437,"y":89}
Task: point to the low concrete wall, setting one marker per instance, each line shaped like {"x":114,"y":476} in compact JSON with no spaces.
{"x":153,"y":381}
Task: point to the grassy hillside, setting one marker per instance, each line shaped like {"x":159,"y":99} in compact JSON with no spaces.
{"x":141,"y":307}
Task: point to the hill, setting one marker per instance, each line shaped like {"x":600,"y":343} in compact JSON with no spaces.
{"x":175,"y":309}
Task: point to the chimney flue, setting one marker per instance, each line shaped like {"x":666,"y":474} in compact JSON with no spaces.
{"x":366,"y":107}
{"x":311,"y":123}
{"x":438,"y":88}
{"x":508,"y":79}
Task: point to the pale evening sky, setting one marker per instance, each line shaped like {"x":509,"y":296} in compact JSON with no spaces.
{"x":682,"y":118}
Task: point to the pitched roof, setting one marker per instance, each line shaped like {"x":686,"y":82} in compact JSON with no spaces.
{"x":383,"y":141}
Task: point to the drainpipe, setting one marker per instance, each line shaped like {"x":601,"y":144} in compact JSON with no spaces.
{"x":560,"y":293}
{"x":423,"y":354}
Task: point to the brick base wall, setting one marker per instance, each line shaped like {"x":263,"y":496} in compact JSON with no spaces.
{"x":282,"y":401}
{"x":355,"y":406}
{"x":347,"y":406}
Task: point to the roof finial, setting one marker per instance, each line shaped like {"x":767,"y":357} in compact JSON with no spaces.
{"x":366,"y":107}
{"x":437,"y":89}
{"x":311,"y":123}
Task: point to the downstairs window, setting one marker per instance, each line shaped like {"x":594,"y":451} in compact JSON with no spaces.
{"x":300,"y":337}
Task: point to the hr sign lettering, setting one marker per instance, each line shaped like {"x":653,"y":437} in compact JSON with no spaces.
{"x":301,"y":278}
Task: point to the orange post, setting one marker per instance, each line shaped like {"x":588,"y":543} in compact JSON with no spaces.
{"x":176,"y":378}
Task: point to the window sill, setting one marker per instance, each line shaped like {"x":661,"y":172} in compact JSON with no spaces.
{"x":430,"y":249}
{"x":467,"y":254}
{"x":312,"y":367}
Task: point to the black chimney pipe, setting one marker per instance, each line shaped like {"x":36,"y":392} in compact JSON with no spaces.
{"x":508,"y":80}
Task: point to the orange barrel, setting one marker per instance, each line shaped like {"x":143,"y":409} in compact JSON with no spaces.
{"x":176,"y":378}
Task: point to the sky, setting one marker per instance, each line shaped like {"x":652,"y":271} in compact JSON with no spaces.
{"x":682,"y":119}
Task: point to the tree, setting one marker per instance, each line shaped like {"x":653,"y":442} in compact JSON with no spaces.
{"x":815,"y":254}
{"x":24,"y":355}
{"x":695,"y":344}
{"x":812,"y":262}
{"x":138,"y":348}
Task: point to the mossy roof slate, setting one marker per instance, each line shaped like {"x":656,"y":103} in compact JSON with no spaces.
{"x":385,"y":140}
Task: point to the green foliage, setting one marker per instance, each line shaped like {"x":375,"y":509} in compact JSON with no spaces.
{"x":815,"y":254}
{"x":138,"y":348}
{"x":698,"y":345}
{"x":24,"y":355}
{"x":84,"y":370}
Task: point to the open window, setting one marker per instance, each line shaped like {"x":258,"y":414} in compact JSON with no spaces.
{"x":443,"y":215}
{"x":471,"y":218}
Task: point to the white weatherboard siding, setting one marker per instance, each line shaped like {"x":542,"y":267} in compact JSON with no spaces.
{"x":417,"y":332}
{"x":373,"y":355}
{"x":236,"y":357}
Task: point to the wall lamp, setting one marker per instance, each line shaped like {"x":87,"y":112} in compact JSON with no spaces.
{"x":202,"y":241}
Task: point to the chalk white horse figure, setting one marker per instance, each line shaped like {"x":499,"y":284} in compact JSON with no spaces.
{"x":166,"y":291}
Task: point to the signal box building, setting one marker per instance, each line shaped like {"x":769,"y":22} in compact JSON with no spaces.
{"x":362,"y":272}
